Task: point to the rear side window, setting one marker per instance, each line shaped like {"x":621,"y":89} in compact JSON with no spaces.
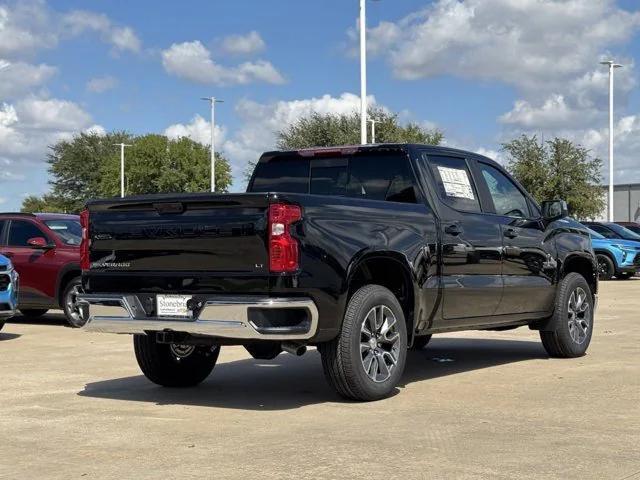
{"x":454,"y":182}
{"x":371,"y":177}
{"x":20,"y":232}
{"x":290,"y":175}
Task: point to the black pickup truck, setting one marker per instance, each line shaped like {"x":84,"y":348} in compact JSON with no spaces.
{"x":363,"y":252}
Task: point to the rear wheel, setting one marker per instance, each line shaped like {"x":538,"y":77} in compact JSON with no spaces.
{"x":367,"y":359}
{"x":33,"y":312}
{"x":69,"y":303}
{"x":174,"y":365}
{"x":569,"y":331}
{"x":420,"y":342}
{"x":606,"y":269}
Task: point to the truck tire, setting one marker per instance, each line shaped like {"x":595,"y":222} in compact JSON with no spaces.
{"x":69,"y":304}
{"x":606,"y":268}
{"x":172,"y":365}
{"x":420,"y":342}
{"x":33,"y":312}
{"x":568,"y":332}
{"x":366,"y":361}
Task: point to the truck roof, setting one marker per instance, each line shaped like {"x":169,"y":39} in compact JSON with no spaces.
{"x":350,"y":149}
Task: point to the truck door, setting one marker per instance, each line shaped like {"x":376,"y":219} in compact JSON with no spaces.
{"x":471,"y":243}
{"x":529,"y":256}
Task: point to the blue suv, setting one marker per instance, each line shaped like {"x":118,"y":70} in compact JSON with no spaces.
{"x":616,"y":256}
{"x":8,"y":290}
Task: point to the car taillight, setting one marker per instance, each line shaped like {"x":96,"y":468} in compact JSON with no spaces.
{"x":85,"y":263}
{"x":283,"y":248}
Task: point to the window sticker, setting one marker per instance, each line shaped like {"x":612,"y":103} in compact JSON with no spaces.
{"x":456,"y":182}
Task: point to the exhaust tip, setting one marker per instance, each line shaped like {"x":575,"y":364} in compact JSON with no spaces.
{"x":297,"y":349}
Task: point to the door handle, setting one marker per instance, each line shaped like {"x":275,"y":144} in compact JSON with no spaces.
{"x":510,"y":233}
{"x":454,"y":230}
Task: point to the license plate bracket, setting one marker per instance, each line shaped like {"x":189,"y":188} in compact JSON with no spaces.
{"x":173,"y":306}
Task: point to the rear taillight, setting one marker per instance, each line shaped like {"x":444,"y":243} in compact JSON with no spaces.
{"x":283,"y":248}
{"x":85,"y":263}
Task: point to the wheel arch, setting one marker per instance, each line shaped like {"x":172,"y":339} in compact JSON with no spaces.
{"x":66,"y":274}
{"x":390,"y":270}
{"x":585,"y":266}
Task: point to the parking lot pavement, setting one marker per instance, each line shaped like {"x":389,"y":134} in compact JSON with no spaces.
{"x":472,"y":405}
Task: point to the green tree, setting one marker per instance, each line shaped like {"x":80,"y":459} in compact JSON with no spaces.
{"x":558,"y":169}
{"x":327,"y":130}
{"x":88,"y":166}
{"x":44,"y":204}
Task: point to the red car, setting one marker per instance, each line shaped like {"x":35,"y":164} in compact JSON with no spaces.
{"x":45,"y":251}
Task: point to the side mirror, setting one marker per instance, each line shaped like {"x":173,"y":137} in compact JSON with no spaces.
{"x":554,"y":210}
{"x":38,"y":242}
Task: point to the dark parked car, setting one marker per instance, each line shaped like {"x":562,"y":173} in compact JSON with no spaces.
{"x":45,"y":251}
{"x":613,"y":230}
{"x":633,"y":226}
{"x":360,"y":251}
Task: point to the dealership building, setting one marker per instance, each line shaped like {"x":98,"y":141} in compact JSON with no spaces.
{"x":626,"y":203}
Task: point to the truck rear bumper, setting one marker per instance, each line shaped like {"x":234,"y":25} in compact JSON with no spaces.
{"x":233,"y":317}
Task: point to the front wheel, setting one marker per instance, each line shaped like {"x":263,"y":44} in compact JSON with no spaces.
{"x":365,"y":362}
{"x":174,"y":365}
{"x":569,"y":330}
{"x":606,"y":268}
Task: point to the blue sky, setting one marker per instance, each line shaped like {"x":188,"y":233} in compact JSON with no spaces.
{"x":482,"y":71}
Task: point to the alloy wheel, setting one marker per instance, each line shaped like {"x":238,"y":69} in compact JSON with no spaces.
{"x":379,"y":343}
{"x":72,"y":310}
{"x":579,"y":316}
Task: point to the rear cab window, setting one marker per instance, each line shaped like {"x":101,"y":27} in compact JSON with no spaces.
{"x":380,"y":176}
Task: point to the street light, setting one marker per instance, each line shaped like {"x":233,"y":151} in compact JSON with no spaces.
{"x":122,"y":146}
{"x":213,"y":101}
{"x":373,"y":129}
{"x":612,"y":66}
{"x":363,"y":72}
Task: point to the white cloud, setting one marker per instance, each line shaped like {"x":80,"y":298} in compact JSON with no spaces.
{"x":121,"y":38}
{"x":95,"y":130}
{"x":260,"y":123}
{"x":25,"y":28}
{"x":192,"y":61}
{"x":101,"y":84}
{"x":198,"y":130}
{"x":51,"y":114}
{"x":243,"y":44}
{"x":532,"y":44}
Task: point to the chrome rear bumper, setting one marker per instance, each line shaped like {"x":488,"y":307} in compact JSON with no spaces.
{"x":219,"y":316}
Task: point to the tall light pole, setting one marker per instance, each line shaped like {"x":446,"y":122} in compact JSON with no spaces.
{"x":122,"y":146}
{"x":373,"y":129}
{"x":213,"y":101}
{"x":612,"y":66}
{"x":363,"y":72}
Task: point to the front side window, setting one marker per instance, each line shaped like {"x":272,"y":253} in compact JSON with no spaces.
{"x":508,"y":200}
{"x":454,"y":181}
{"x":20,"y":232}
{"x":604,"y":231}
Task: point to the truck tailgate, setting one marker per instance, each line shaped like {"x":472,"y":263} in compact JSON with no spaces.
{"x":180,"y":233}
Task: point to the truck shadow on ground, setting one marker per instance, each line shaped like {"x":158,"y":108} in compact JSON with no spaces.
{"x":288,"y":382}
{"x":8,"y":336}
{"x":47,"y":319}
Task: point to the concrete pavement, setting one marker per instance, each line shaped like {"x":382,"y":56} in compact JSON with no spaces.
{"x":75,"y":405}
